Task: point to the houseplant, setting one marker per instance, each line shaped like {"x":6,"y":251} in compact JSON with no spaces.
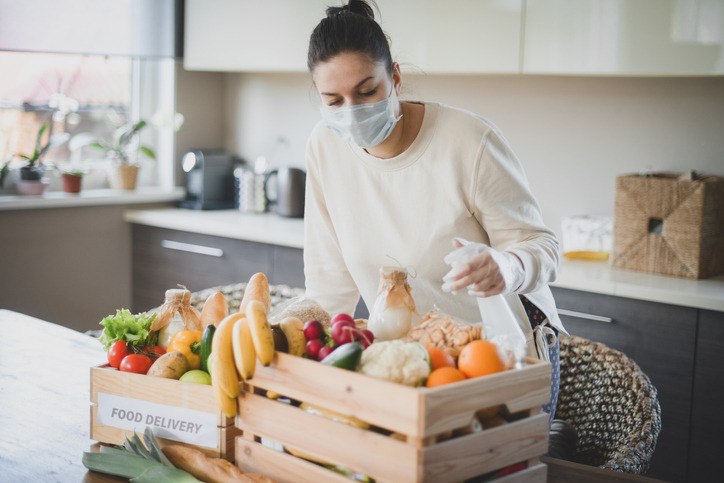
{"x":31,"y":175}
{"x":72,"y":180}
{"x":122,"y":151}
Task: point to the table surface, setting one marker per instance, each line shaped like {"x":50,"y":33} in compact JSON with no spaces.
{"x":45,"y":397}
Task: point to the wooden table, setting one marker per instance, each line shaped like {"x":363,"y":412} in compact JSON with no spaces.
{"x":45,"y":402}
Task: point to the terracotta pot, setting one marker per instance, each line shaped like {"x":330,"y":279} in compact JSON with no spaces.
{"x":72,"y":182}
{"x":123,"y":177}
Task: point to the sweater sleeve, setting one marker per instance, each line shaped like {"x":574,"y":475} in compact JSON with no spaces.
{"x":327,"y":279}
{"x":504,"y":205}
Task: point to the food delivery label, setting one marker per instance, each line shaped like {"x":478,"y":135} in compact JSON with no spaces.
{"x":170,"y":422}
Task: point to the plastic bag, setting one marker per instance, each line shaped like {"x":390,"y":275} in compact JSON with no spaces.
{"x":301,"y":307}
{"x":504,"y":319}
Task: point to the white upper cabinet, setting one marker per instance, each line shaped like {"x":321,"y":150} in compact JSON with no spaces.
{"x":454,"y":36}
{"x":624,"y":37}
{"x":249,"y":35}
{"x":577,"y":37}
{"x":432,"y":36}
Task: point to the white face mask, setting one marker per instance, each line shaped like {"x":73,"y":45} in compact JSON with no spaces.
{"x":365,"y":125}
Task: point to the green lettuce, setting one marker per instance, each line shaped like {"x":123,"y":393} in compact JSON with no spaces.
{"x":129,"y":327}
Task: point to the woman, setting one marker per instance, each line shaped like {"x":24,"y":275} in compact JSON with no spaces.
{"x":400,"y":180}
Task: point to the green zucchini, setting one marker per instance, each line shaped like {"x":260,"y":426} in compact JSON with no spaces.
{"x":206,"y":338}
{"x":346,"y":356}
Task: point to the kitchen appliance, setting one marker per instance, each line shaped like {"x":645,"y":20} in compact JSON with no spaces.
{"x":288,"y":184}
{"x":210,"y":180}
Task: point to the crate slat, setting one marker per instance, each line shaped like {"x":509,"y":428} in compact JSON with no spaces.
{"x":486,"y":451}
{"x":332,"y":441}
{"x":344,"y":391}
{"x":253,"y":457}
{"x":453,"y":406}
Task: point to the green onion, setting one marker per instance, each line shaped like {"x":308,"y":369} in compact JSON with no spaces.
{"x":136,"y":462}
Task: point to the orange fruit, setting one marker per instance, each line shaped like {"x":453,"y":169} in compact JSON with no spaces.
{"x":444,"y":375}
{"x":439,"y":358}
{"x":480,"y":358}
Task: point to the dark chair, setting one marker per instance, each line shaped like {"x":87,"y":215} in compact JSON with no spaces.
{"x":610,"y":403}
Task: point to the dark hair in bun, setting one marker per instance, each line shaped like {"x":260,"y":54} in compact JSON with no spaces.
{"x":349,"y":28}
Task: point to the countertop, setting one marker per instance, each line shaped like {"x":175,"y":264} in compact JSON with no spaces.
{"x":58,"y":199}
{"x":597,"y":277}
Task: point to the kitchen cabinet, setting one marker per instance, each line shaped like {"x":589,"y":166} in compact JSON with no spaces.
{"x":249,"y":35}
{"x":570,"y":37}
{"x":662,"y":339}
{"x":456,"y":36}
{"x":163,"y":258}
{"x":707,"y":417}
{"x":624,"y":37}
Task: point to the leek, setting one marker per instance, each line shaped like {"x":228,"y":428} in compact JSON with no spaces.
{"x":139,"y":463}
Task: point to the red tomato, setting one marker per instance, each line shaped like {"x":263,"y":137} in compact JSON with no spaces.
{"x":138,"y":363}
{"x":154,"y":351}
{"x":117,"y":352}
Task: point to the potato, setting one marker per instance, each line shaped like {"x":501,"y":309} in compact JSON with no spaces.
{"x":171,"y":365}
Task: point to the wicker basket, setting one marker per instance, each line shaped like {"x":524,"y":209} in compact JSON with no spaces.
{"x":612,"y":405}
{"x":670,"y":223}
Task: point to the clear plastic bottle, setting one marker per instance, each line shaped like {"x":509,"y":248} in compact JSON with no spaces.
{"x":394,"y":312}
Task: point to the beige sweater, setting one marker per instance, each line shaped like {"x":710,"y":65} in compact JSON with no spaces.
{"x":459,"y":178}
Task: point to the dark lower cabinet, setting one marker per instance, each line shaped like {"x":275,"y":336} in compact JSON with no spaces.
{"x":164,"y":258}
{"x":662,"y":340}
{"x":706,"y":448}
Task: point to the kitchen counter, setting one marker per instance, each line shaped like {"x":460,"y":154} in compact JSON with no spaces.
{"x":596,"y":277}
{"x":267,"y":228}
{"x":102,"y":197}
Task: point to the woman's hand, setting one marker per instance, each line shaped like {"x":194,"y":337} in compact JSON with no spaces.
{"x":484,"y":271}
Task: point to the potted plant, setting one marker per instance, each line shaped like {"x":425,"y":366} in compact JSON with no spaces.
{"x":72,"y":180}
{"x":122,"y":152}
{"x":31,"y":180}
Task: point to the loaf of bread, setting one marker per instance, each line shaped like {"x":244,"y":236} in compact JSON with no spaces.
{"x":205,"y":468}
{"x":256,"y":289}
{"x":440,"y":330}
{"x":214,"y":311}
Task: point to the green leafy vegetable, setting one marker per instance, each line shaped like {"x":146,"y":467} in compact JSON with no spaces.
{"x":129,"y":327}
{"x":135,"y":461}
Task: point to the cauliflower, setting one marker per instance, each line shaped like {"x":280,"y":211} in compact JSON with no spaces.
{"x":397,"y":361}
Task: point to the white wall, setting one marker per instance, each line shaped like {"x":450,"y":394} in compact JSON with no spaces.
{"x":574,"y":135}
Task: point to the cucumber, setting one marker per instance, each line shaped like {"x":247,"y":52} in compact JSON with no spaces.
{"x":346,"y":356}
{"x":206,"y":338}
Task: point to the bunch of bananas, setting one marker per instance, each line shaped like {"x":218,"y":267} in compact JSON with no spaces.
{"x":240,"y":340}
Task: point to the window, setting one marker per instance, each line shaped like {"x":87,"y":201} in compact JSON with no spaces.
{"x":89,"y":97}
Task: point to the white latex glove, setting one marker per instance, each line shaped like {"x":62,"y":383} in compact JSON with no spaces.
{"x":481,"y":269}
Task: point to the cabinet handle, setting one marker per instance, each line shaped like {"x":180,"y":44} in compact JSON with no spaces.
{"x":582,"y":315}
{"x":191,"y":248}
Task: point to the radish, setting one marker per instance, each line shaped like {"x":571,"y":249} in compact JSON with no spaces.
{"x":341,"y":317}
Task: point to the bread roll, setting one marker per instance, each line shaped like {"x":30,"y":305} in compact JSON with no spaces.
{"x":204,"y":468}
{"x":214,"y":311}
{"x":256,"y":289}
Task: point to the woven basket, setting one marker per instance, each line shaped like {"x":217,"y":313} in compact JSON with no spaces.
{"x":612,"y":405}
{"x":235,"y":292}
{"x":669,"y":223}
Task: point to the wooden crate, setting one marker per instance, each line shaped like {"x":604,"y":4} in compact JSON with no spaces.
{"x":418,"y":414}
{"x":171,"y":407}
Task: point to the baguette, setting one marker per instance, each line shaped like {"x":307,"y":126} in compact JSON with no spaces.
{"x":204,"y":468}
{"x":256,"y":289}
{"x":214,"y":311}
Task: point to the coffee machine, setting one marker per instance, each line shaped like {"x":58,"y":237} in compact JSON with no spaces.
{"x":210,"y":180}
